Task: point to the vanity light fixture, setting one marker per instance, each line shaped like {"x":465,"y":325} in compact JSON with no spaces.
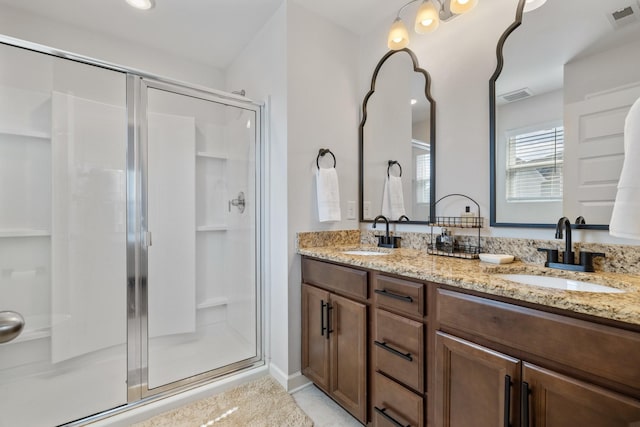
{"x":428,"y":18}
{"x":142,"y":4}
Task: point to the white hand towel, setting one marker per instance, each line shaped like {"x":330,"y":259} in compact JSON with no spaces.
{"x":625,"y":219}
{"x":392,"y":198}
{"x":328,"y":195}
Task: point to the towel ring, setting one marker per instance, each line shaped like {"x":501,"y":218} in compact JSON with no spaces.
{"x":321,"y":153}
{"x":391,"y":163}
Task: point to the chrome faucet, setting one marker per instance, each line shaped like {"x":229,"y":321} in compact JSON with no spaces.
{"x":386,"y":241}
{"x":568,"y":255}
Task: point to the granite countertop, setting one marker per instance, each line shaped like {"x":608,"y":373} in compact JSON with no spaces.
{"x":480,"y":276}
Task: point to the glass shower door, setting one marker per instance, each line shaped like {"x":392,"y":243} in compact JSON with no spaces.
{"x":201,"y":236}
{"x":62,"y":238}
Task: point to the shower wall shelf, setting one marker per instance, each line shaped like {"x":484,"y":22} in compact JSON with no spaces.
{"x":218,"y":227}
{"x":27,"y":133}
{"x":213,"y":302}
{"x":24,"y":233}
{"x":209,"y":155}
{"x":465,"y":251}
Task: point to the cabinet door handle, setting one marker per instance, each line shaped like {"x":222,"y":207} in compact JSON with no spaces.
{"x":405,"y":356}
{"x":329,"y":330}
{"x":507,"y":400}
{"x":386,"y":293}
{"x":389,"y":418}
{"x":322,"y":327}
{"x":524,"y":396}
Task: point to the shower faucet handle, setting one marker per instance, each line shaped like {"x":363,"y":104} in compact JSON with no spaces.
{"x":239,"y":202}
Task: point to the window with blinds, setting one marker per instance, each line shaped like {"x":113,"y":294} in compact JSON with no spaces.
{"x":534,"y":165}
{"x":423,"y":178}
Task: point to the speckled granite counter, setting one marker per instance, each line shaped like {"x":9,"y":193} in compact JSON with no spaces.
{"x":479,"y":276}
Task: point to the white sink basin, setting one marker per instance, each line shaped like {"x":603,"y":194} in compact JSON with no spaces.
{"x":365,"y":253}
{"x":559,"y":283}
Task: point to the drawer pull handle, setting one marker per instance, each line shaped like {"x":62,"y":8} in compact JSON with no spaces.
{"x":386,"y":293}
{"x":524,"y":395}
{"x":405,"y":356}
{"x":507,"y":401}
{"x":389,"y":418}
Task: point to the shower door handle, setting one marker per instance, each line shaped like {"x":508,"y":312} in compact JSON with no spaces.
{"x":11,"y":324}
{"x":238,"y":202}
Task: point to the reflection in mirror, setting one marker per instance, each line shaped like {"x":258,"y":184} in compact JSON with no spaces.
{"x":397,"y":142}
{"x":563,"y":86}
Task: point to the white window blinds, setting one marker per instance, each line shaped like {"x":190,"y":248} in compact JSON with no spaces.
{"x":423,"y":178}
{"x":534,"y":165}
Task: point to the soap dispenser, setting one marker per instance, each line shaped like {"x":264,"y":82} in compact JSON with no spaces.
{"x":445,"y":241}
{"x":467,"y":217}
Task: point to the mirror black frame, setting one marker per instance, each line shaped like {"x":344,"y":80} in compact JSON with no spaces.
{"x":432,"y":133}
{"x":492,"y":136}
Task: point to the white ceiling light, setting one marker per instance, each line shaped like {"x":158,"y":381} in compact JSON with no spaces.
{"x":142,"y":4}
{"x":530,"y":5}
{"x":428,"y":18}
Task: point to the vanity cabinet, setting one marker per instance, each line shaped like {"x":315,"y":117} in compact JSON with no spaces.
{"x":499,"y":364}
{"x":396,"y":351}
{"x":335,"y":333}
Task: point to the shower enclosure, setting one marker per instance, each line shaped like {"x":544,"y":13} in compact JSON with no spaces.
{"x":129,"y":236}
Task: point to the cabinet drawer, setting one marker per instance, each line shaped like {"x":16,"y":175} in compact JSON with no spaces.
{"x":395,"y":405}
{"x":603,"y":351}
{"x":400,"y":295}
{"x":343,"y":280}
{"x":399,"y":349}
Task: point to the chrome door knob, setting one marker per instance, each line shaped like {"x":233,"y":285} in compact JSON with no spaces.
{"x":11,"y":324}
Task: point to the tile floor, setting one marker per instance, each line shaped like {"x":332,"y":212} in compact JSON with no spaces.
{"x":322,"y":410}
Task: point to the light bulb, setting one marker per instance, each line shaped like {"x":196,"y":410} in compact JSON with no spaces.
{"x":141,"y":4}
{"x":427,"y":19}
{"x":462,"y":6}
{"x":533,"y":4}
{"x":398,"y":35}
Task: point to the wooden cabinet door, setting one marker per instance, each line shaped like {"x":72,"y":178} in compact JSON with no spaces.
{"x":315,"y":339}
{"x":348,"y":329}
{"x":475,"y":386}
{"x":558,"y":401}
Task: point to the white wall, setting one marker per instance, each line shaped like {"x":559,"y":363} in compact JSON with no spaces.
{"x":311,"y":81}
{"x":36,"y":29}
{"x":595,"y":73}
{"x":262,"y":72}
{"x":322,"y":113}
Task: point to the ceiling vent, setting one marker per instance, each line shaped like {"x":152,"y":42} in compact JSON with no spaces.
{"x":516,"y":95}
{"x":624,"y":16}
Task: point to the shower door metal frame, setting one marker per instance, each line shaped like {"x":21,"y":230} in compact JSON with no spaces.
{"x":137,"y":232}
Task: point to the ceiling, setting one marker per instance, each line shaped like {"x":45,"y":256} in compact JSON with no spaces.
{"x":208,"y":31}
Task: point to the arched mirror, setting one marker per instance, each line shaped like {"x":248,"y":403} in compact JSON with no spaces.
{"x":397,"y":142}
{"x":567,"y":75}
